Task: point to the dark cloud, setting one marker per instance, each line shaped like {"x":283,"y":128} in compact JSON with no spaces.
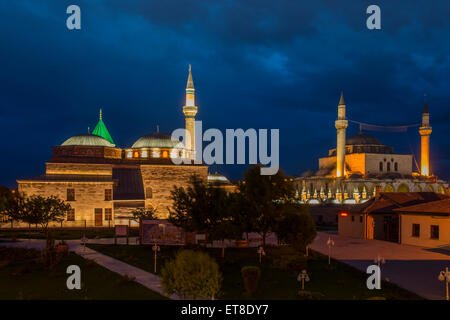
{"x":260,"y":64}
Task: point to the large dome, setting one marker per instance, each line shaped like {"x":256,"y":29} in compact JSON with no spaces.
{"x":158,"y":140}
{"x":363,"y":139}
{"x":87,"y":140}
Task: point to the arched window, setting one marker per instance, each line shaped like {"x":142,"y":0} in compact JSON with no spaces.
{"x":388,"y":166}
{"x":396,"y":166}
{"x":148,"y":193}
{"x":381,"y":166}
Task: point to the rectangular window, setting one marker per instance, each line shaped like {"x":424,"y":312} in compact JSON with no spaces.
{"x":108,"y":214}
{"x":98,"y":217}
{"x":416,"y":230}
{"x":108,"y":194}
{"x":70,"y":194}
{"x":353,"y":218}
{"x":434,"y":232}
{"x":71,"y":215}
{"x":148,"y":193}
{"x":360,"y":219}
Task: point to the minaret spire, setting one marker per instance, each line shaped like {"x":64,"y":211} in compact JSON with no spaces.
{"x":341,"y":125}
{"x":100,"y":117}
{"x":425,"y":132}
{"x":190,"y":110}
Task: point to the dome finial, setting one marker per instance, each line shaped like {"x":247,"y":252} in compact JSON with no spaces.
{"x":100,"y":118}
{"x":157,"y":128}
{"x":89,"y":130}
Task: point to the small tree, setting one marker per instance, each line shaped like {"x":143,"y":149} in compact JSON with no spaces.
{"x":193,"y":274}
{"x":141,"y":213}
{"x":296,"y":226}
{"x":12,"y":205}
{"x":42,"y":211}
{"x":265,"y":196}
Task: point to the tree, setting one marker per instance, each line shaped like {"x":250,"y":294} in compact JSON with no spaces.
{"x":42,"y":211}
{"x":12,"y":205}
{"x":190,"y":210}
{"x":193,"y":274}
{"x":265,"y":197}
{"x":141,"y":213}
{"x":296,"y":226}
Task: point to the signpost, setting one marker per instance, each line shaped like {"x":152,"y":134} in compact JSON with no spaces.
{"x":120,"y":230}
{"x":161,"y":232}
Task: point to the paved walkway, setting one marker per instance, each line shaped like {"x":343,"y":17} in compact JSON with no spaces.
{"x":147,"y":279}
{"x":413,"y":268}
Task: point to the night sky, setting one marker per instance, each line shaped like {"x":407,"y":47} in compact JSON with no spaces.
{"x":256,"y":64}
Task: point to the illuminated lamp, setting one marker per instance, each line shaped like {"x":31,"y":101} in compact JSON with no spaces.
{"x":344,"y":214}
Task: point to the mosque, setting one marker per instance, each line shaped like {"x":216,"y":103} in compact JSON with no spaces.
{"x":360,"y":167}
{"x":104,"y":183}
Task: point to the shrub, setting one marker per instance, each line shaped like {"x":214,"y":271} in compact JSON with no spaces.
{"x":193,"y":274}
{"x":251,"y":275}
{"x":309,"y":295}
{"x":287,"y":258}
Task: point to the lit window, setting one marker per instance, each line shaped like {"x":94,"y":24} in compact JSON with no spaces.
{"x":129,"y":154}
{"x":155,"y":154}
{"x":108,"y":194}
{"x":136,"y":154}
{"x":165,"y":154}
{"x":144,"y":154}
{"x":108,"y":214}
{"x":173,"y":153}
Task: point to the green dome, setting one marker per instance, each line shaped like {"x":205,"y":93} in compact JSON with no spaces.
{"x":158,"y":140}
{"x":87,"y":140}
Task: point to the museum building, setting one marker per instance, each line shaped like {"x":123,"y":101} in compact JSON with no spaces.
{"x":104,"y":183}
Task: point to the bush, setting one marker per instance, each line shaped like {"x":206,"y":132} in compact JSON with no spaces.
{"x":287,"y":258}
{"x":309,"y":295}
{"x":193,"y":274}
{"x":250,"y":276}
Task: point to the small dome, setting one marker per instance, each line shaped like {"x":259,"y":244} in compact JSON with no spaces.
{"x":158,"y":140}
{"x":87,"y":140}
{"x":363,"y":139}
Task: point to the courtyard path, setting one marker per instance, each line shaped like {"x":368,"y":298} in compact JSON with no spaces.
{"x":413,"y":268}
{"x":147,"y":279}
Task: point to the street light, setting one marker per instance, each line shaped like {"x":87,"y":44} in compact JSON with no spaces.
{"x":303,"y":276}
{"x":156,"y":248}
{"x":83,"y":242}
{"x":445,"y":276}
{"x":330,"y":243}
{"x":261,"y":253}
{"x":379,"y":260}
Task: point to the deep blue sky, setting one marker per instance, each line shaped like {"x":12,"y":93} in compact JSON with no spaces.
{"x":256,"y":64}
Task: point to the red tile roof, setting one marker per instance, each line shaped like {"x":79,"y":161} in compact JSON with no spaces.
{"x":436,"y":207}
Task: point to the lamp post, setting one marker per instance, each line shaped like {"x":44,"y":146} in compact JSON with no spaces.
{"x":261,"y":253}
{"x":156,"y":248}
{"x":445,"y":276}
{"x":330,"y":243}
{"x":303,"y":276}
{"x":379,"y":260}
{"x":83,"y":242}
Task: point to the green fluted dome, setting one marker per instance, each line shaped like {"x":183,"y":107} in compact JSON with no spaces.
{"x":87,"y":140}
{"x":158,"y":140}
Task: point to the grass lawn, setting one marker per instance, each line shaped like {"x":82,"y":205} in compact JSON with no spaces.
{"x":64,"y":234}
{"x":340,"y":281}
{"x":24,"y":279}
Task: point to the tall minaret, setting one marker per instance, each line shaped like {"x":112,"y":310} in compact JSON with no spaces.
{"x":190,"y":110}
{"x":341,"y":126}
{"x":425,"y":132}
